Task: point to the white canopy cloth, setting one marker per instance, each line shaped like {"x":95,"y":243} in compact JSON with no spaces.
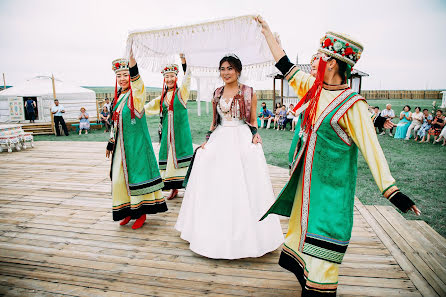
{"x":204,"y":44}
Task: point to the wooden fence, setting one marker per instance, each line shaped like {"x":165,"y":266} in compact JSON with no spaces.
{"x":263,"y":95}
{"x":401,"y":94}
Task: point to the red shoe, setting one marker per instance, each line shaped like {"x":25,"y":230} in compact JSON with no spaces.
{"x":139,"y":222}
{"x":173,"y":194}
{"x":125,"y":221}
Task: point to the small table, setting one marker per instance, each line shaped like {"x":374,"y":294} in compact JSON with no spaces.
{"x":12,"y":136}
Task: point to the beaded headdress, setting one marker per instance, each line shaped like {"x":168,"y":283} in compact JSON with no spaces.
{"x":341,"y":47}
{"x":171,"y":68}
{"x":120,"y":64}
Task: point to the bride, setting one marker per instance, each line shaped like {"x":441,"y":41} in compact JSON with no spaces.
{"x":229,"y":187}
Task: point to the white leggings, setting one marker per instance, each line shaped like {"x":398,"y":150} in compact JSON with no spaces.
{"x":262,"y":122}
{"x":415,"y":127}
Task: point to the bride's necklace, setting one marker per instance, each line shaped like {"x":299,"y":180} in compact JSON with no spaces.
{"x":225,"y":105}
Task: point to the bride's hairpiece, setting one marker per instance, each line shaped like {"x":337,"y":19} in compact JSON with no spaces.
{"x":231,"y":55}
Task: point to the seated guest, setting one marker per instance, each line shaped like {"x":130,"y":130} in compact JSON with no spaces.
{"x":404,"y":123}
{"x":289,"y":117}
{"x":294,"y":122}
{"x":105,"y":118}
{"x":417,"y":120}
{"x":442,"y":135}
{"x":377,"y":119}
{"x":427,"y":120}
{"x":84,"y":123}
{"x":265,"y":115}
{"x":108,"y":104}
{"x":388,"y":113}
{"x":381,"y":122}
{"x":282,"y":117}
{"x":436,"y":126}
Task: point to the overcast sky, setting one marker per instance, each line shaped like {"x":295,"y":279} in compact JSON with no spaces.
{"x":404,"y":40}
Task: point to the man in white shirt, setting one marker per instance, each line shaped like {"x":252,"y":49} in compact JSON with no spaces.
{"x":388,"y":113}
{"x":108,"y":104}
{"x":57,"y":110}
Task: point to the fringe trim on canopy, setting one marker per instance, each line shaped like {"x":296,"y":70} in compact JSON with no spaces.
{"x":154,"y":48}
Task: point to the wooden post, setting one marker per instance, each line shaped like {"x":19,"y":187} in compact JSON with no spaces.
{"x":198,"y":99}
{"x":97,"y":112}
{"x":281,"y":91}
{"x":274,"y":93}
{"x":4,"y":82}
{"x":53,"y":128}
{"x":360,"y":83}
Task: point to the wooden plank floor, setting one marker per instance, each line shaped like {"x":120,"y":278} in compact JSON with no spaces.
{"x":57,"y":238}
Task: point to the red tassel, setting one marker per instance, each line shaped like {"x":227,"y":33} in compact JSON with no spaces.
{"x":312,"y":96}
{"x":162,"y":95}
{"x":115,"y":101}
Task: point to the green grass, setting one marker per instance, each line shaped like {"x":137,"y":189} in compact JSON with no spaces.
{"x":419,"y":169}
{"x":112,"y":89}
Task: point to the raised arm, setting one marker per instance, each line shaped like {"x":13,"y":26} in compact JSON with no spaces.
{"x":360,"y":128}
{"x":138,"y":89}
{"x":274,"y":46}
{"x":185,"y":85}
{"x":300,"y":82}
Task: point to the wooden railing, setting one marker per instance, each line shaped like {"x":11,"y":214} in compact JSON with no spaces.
{"x":268,"y":95}
{"x":401,"y":94}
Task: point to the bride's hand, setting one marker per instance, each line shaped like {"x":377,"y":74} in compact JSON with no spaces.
{"x":263,"y":23}
{"x":257,"y":139}
{"x":202,"y":146}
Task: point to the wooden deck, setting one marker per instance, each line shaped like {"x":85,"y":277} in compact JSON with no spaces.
{"x":57,"y":238}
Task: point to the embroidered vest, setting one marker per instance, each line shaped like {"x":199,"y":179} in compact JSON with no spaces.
{"x":176,"y":133}
{"x":141,"y":172}
{"x":246,"y":92}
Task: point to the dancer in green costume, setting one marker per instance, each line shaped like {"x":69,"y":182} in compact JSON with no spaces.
{"x":136,"y":180}
{"x":176,"y":148}
{"x":319,"y":195}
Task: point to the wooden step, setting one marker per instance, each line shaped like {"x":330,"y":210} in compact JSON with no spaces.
{"x":427,"y":259}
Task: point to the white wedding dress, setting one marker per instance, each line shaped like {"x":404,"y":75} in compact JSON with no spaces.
{"x":229,"y":190}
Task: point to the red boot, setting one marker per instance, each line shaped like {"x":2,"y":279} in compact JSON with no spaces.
{"x":139,"y":222}
{"x":173,"y":194}
{"x":125,"y":221}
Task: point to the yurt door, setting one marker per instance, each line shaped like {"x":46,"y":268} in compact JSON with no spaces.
{"x":31,"y":107}
{"x":16,"y":109}
{"x":45,"y":104}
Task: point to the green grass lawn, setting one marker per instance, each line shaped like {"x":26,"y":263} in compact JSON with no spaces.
{"x":419,"y":169}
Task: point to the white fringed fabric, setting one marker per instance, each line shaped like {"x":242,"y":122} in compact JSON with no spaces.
{"x":204,"y":44}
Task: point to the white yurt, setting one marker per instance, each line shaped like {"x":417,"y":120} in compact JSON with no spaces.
{"x":40,"y":90}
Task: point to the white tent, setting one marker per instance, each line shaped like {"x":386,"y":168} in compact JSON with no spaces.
{"x":40,"y":89}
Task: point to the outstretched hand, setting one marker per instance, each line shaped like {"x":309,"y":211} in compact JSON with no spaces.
{"x":132,"y":61}
{"x":415,"y":209}
{"x":388,"y":124}
{"x":263,"y":23}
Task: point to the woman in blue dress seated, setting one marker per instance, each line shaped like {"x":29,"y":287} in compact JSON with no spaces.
{"x":404,"y":123}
